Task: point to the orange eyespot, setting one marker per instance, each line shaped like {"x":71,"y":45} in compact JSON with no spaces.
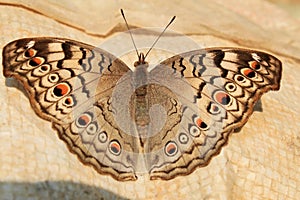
{"x":68,"y":101}
{"x":29,"y":53}
{"x":84,"y":120}
{"x":201,"y":124}
{"x":222,"y":98}
{"x":171,"y":148}
{"x":61,"y":89}
{"x":36,"y":61}
{"x":249,"y":73}
{"x":255,"y":65}
{"x":44,"y":68}
{"x":115,"y":147}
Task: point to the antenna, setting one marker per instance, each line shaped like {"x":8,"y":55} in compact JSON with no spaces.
{"x":171,"y":21}
{"x":137,"y":52}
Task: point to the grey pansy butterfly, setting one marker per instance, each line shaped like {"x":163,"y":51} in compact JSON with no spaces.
{"x":165,"y":122}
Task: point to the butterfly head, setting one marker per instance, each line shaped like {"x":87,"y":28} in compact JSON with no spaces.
{"x":141,"y":60}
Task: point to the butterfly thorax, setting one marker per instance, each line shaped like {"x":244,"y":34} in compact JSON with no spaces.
{"x":141,"y":60}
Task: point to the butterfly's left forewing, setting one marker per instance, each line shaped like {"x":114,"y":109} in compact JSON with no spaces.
{"x":225,"y":84}
{"x":70,"y":84}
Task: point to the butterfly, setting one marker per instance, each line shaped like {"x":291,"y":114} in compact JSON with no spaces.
{"x":162,"y":123}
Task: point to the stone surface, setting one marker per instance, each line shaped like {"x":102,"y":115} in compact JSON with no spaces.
{"x":262,"y":161}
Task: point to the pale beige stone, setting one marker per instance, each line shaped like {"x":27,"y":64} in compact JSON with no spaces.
{"x":262,"y":161}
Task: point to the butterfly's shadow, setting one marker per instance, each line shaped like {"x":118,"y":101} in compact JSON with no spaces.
{"x":258,"y":107}
{"x":13,"y":83}
{"x":54,"y":189}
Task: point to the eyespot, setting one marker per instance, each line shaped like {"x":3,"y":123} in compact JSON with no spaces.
{"x":230,"y":87}
{"x":69,"y":101}
{"x":255,"y":65}
{"x":213,"y":108}
{"x":83,"y":120}
{"x":201,"y":124}
{"x":61,"y":89}
{"x":239,"y":78}
{"x":242,"y":81}
{"x":183,"y":138}
{"x":92,"y":128}
{"x":29,"y":53}
{"x":222,"y":98}
{"x":171,"y":148}
{"x":41,"y":70}
{"x":36,"y":61}
{"x":250,"y":73}
{"x":44,"y":68}
{"x":102,"y":137}
{"x":53,"y":78}
{"x":115,"y":147}
{"x":194,"y":131}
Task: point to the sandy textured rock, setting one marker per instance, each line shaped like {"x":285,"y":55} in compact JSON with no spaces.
{"x":262,"y":161}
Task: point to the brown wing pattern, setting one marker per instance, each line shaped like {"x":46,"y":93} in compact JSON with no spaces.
{"x":226,"y":83}
{"x":166,"y":122}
